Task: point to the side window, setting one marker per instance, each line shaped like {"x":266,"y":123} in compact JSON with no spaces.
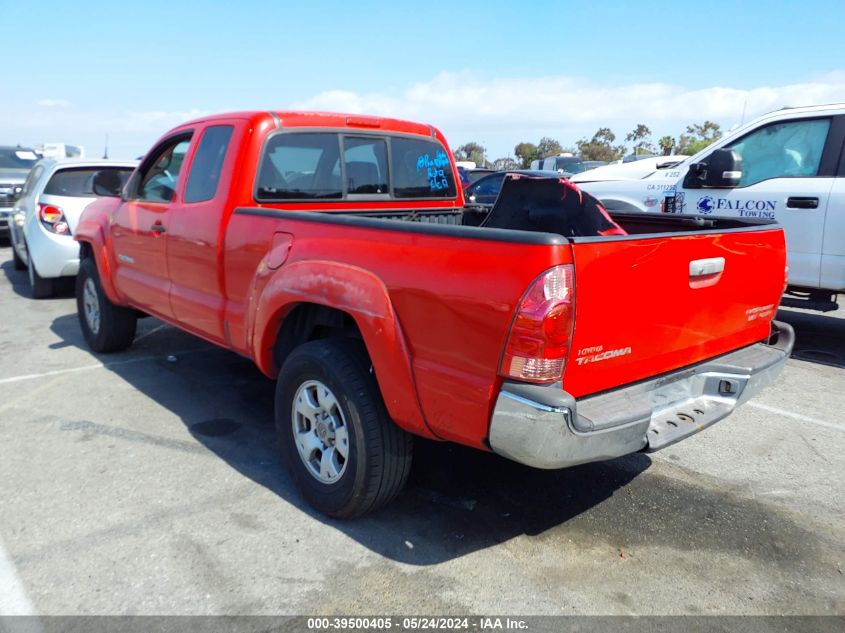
{"x":300,"y":166}
{"x":208,"y":163}
{"x":421,"y":169}
{"x":782,"y":150}
{"x":366,"y":165}
{"x":158,"y":178}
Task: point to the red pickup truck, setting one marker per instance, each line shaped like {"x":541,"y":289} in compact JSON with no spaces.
{"x":337,"y":252}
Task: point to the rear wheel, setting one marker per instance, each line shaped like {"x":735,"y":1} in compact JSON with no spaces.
{"x":105,"y":326}
{"x":344,"y":452}
{"x":42,"y":288}
{"x":19,"y":263}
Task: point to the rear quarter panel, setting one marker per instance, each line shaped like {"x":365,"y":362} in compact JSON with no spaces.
{"x":453,"y":299}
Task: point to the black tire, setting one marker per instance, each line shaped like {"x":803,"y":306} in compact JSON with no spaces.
{"x":16,"y":260}
{"x":116,"y":328}
{"x":379,"y":453}
{"x":42,"y":288}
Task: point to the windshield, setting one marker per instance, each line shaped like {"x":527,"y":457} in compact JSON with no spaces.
{"x":570,"y":164}
{"x":17,"y":158}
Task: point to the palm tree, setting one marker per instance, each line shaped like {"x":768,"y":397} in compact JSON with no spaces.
{"x":667,"y":144}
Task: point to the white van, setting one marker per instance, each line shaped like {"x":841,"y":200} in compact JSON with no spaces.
{"x":564,"y":163}
{"x":787,"y":166}
{"x":59,"y":151}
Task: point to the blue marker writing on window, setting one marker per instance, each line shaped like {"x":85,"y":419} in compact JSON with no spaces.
{"x":435,"y":169}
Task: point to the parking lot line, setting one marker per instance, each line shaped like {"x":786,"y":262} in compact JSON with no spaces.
{"x":13,"y":598}
{"x":55,"y":372}
{"x":797,"y":416}
{"x":70,"y":370}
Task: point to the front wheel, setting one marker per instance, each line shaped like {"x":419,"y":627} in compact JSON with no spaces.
{"x":344,"y":452}
{"x":106,"y":327}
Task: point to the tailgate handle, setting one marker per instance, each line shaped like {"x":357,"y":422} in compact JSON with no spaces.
{"x":704,"y":267}
{"x":799,"y":202}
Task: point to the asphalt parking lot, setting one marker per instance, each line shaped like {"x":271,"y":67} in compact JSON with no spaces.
{"x":148,"y":482}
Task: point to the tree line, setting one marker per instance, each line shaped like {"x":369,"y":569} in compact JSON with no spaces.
{"x":602,"y":146}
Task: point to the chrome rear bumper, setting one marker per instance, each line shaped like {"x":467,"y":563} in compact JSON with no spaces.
{"x":544,"y":427}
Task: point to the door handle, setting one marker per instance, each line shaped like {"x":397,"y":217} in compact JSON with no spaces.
{"x":800,"y":202}
{"x":158,"y":227}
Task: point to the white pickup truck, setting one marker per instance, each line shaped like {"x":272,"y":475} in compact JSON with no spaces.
{"x":788,"y":165}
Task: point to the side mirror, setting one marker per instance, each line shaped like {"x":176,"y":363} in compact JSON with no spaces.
{"x":721,"y":169}
{"x":724,"y":169}
{"x":106,"y":183}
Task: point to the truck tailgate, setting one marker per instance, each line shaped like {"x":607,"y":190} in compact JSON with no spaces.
{"x":646,"y":305}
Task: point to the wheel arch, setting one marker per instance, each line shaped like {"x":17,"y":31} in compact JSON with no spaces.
{"x":309,"y":300}
{"x":306,"y":321}
{"x":94,"y":248}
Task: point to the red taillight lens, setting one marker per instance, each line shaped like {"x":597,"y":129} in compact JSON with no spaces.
{"x":53,"y":218}
{"x":538,"y":342}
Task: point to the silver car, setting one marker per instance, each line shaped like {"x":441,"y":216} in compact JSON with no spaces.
{"x":46,"y":213}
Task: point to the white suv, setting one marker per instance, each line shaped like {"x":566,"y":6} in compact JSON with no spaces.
{"x":787,"y":166}
{"x":45,"y":216}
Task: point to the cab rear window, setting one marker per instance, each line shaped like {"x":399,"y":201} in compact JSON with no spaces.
{"x":78,"y":183}
{"x":299,"y":166}
{"x":331,"y":165}
{"x":421,"y":169}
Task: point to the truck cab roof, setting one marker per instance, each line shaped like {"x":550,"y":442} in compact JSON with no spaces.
{"x":309,"y":119}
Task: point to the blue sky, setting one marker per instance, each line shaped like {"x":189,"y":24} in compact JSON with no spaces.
{"x":494,"y":72}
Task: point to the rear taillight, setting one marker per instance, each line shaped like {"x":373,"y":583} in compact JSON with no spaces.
{"x":538,"y":342}
{"x":53,"y":218}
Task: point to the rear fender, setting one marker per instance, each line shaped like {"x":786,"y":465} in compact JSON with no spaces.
{"x":365,"y":298}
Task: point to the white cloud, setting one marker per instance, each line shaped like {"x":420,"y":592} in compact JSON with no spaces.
{"x":498,"y":112}
{"x":505,"y":111}
{"x":54,"y":103}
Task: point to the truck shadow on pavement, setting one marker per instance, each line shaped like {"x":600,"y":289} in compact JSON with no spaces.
{"x":819,"y":338}
{"x":457,"y":501}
